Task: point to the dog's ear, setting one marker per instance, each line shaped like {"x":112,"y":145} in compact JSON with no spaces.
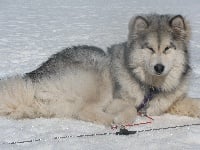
{"x":177,"y":23}
{"x":138,"y":23}
{"x":136,"y":26}
{"x":180,"y":28}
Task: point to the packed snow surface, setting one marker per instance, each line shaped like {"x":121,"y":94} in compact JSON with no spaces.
{"x":30,"y":31}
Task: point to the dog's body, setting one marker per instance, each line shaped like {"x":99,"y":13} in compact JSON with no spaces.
{"x":148,"y":73}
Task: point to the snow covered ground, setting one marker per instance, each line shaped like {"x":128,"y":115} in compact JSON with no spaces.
{"x":30,"y":31}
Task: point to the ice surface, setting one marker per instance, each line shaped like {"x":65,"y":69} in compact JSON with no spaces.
{"x":30,"y":31}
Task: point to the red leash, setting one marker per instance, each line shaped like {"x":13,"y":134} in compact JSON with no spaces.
{"x":134,"y":124}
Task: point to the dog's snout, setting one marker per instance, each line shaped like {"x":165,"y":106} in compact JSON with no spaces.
{"x":159,"y":68}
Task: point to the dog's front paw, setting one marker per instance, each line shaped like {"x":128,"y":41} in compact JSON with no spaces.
{"x":126,"y":116}
{"x":150,"y":111}
{"x":187,"y":107}
{"x":153,"y":111}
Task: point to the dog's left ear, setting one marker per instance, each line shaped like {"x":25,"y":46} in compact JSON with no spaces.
{"x":180,"y":28}
{"x":177,"y":22}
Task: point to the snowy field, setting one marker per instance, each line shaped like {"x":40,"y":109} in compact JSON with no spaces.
{"x":30,"y":31}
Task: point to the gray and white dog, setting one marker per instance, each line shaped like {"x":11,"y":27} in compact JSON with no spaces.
{"x":148,"y":73}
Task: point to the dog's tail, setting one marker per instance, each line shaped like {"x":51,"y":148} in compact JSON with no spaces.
{"x":17,"y":98}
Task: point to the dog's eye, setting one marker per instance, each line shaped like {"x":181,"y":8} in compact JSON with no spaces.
{"x":166,"y":49}
{"x":151,"y":49}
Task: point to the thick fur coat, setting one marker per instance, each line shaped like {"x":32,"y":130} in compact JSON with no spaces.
{"x":86,"y":83}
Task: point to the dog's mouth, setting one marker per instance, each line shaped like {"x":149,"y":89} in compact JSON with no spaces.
{"x":158,"y":74}
{"x":163,"y":74}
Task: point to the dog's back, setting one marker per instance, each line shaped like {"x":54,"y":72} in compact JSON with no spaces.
{"x":82,"y":57}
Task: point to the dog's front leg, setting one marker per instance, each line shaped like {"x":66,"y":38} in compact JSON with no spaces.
{"x":124,"y":111}
{"x":186,"y":107}
{"x":96,"y":114}
{"x":160,"y":104}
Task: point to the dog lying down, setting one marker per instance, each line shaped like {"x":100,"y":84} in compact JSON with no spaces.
{"x":147,"y":73}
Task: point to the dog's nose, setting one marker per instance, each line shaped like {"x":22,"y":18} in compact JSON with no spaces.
{"x":159,"y":68}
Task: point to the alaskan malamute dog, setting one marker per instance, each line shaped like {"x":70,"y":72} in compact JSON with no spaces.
{"x":147,"y":73}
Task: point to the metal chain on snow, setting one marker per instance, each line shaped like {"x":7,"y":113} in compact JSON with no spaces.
{"x":122,"y":131}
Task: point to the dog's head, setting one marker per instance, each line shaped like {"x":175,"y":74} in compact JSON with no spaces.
{"x":157,"y":44}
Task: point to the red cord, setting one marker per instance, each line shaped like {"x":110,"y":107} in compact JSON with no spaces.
{"x":135,"y":124}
